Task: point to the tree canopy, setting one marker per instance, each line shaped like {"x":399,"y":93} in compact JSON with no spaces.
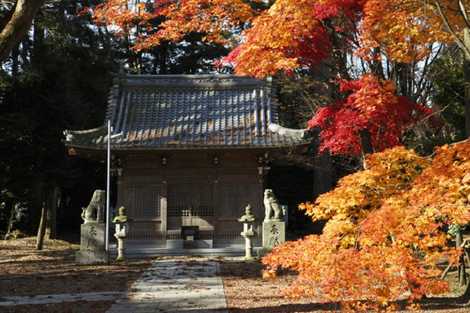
{"x":391,"y":40}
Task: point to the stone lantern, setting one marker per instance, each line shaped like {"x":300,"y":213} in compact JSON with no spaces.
{"x":248,"y":220}
{"x":121,"y":229}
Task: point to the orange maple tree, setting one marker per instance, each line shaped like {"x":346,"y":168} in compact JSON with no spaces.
{"x":386,"y":230}
{"x":405,"y":29}
{"x":168,"y":20}
{"x":401,"y":30}
{"x":294,"y":33}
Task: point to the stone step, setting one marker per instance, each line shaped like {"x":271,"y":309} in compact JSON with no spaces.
{"x":148,"y":250}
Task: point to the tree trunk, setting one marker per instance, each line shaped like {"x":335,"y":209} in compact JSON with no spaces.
{"x":11,"y":219}
{"x":37,"y":54}
{"x":462,"y":267}
{"x":15,"y":62}
{"x":466,"y":70}
{"x":18,"y":26}
{"x":366,"y":143}
{"x":42,"y":228}
{"x":162,"y":59}
{"x":323,"y":175}
{"x":53,"y":203}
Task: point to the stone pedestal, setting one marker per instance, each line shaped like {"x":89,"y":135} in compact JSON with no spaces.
{"x":175,"y":244}
{"x":120,"y":248}
{"x":248,"y":245}
{"x":274,"y":233}
{"x":120,"y":235}
{"x":92,"y":244}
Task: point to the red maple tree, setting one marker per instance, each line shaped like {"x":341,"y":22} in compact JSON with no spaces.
{"x":371,"y":105}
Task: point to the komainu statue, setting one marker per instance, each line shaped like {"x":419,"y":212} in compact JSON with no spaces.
{"x":94,"y":212}
{"x":272,"y":208}
{"x":17,"y":223}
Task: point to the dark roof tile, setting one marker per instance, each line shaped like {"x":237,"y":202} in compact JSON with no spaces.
{"x":187,"y":111}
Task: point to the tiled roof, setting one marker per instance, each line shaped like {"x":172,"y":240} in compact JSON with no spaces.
{"x":187,"y":111}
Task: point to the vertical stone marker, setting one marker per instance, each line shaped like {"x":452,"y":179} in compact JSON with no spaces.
{"x":92,"y":231}
{"x":274,"y":233}
{"x":274,"y":227}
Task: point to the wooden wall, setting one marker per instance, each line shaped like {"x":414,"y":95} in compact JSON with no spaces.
{"x":190,"y":190}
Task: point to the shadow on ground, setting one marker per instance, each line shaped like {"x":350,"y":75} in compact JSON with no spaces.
{"x":26,"y":271}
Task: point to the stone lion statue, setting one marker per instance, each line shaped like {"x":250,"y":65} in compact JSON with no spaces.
{"x":17,"y":222}
{"x":272,"y":208}
{"x":94,"y":212}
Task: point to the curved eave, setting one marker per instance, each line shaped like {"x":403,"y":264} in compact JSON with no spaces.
{"x":96,"y":140}
{"x":183,"y":147}
{"x":83,"y":137}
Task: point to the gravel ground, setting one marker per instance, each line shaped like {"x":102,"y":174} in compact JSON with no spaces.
{"x":25,"y":271}
{"x":75,"y":307}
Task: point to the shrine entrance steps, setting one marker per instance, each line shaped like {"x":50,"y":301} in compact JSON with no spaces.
{"x":143,"y":249}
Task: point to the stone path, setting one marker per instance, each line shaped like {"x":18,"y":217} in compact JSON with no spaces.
{"x":170,"y":286}
{"x":59,"y":298}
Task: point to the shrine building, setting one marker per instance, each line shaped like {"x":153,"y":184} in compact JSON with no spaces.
{"x":191,"y":153}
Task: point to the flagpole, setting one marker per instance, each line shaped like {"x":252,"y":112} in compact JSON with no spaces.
{"x":108,"y":187}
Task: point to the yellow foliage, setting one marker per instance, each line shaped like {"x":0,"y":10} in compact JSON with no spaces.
{"x":404,"y":29}
{"x":389,"y":173}
{"x":387,"y":241}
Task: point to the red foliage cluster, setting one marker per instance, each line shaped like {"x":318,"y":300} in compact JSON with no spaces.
{"x":372,"y":105}
{"x":312,"y":49}
{"x":334,"y":8}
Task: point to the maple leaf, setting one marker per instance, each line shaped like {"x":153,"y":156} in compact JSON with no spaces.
{"x":385,"y":230}
{"x":214,"y":18}
{"x":371,"y":105}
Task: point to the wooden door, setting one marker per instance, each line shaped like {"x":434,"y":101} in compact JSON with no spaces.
{"x":233,"y":195}
{"x":189,"y":204}
{"x":144,"y":210}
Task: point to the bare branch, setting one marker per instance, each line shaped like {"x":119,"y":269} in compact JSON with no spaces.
{"x":463,"y":12}
{"x":459,"y":41}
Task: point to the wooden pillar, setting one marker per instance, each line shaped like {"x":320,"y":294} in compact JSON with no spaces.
{"x":164,"y":196}
{"x":215,"y":202}
{"x":164,"y":208}
{"x":120,"y":188}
